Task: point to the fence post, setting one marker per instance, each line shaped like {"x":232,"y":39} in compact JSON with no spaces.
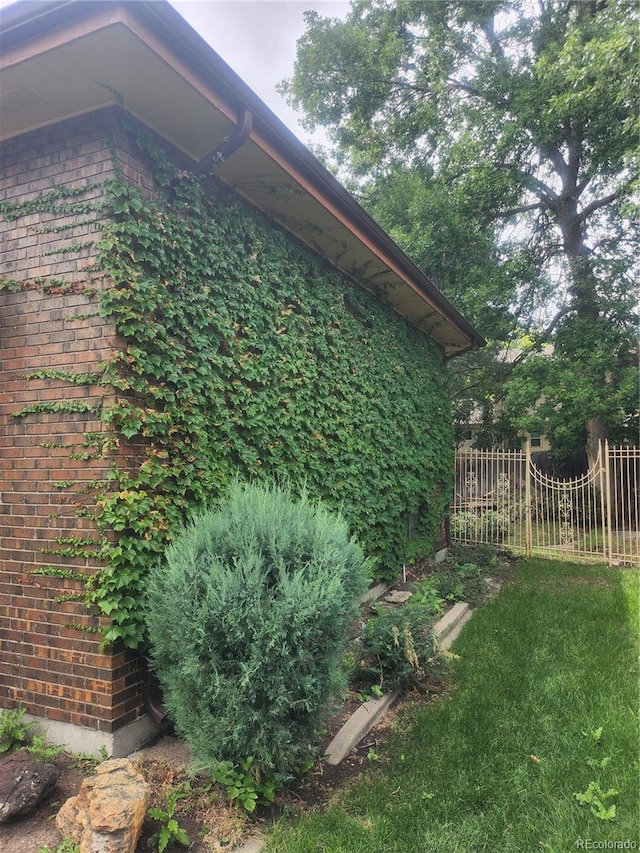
{"x":605,"y":500}
{"x":527,"y":501}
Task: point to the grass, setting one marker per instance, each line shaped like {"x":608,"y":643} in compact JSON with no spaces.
{"x":546,"y":535}
{"x":543,"y":705}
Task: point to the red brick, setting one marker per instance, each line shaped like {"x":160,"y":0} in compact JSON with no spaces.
{"x":57,"y":671}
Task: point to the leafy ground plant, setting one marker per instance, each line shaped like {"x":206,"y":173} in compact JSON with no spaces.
{"x":65,"y":846}
{"x":596,"y":799}
{"x":42,"y":750}
{"x":242,"y":786}
{"x":87,"y":762}
{"x":170,"y":830}
{"x":495,"y":763}
{"x":14,"y":733}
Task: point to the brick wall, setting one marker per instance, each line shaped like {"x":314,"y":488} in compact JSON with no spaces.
{"x":48,"y":663}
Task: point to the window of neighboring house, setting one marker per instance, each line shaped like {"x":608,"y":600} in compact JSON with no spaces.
{"x":535,"y":440}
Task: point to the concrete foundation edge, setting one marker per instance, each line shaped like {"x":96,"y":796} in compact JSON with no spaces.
{"x":78,"y":739}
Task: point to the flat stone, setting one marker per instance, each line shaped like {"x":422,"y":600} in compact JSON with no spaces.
{"x":24,"y":782}
{"x":398,"y":596}
{"x":359,"y":723}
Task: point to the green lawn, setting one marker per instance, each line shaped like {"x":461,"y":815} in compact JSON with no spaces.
{"x":544,"y":705}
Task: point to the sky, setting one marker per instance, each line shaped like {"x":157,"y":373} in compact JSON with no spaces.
{"x":257,"y":38}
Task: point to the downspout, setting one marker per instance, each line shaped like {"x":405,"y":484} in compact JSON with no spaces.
{"x":230,"y":145}
{"x":152,"y":694}
{"x":152,"y":697}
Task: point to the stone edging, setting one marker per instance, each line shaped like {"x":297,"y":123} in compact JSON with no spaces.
{"x":369,"y":713}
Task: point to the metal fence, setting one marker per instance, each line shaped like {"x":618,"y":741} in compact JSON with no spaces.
{"x":502,"y":497}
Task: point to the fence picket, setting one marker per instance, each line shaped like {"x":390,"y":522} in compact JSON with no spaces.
{"x":502,"y":497}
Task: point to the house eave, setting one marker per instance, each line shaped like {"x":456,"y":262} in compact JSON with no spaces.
{"x":161,"y":59}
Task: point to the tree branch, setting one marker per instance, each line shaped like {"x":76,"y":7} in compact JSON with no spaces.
{"x":581,"y":187}
{"x":494,"y":43}
{"x":525,"y":208}
{"x":544,"y":336}
{"x":546,"y":195}
{"x":465,"y":87}
{"x":597,"y":204}
{"x":424,"y":90}
{"x":573,"y":160}
{"x":555,"y":155}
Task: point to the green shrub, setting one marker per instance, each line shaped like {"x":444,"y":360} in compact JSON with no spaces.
{"x":397,"y":648}
{"x":488,"y":524}
{"x":483,"y":556}
{"x":469,"y":570}
{"x":247,"y":622}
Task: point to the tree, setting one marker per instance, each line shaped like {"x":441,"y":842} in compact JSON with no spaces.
{"x":498,"y":142}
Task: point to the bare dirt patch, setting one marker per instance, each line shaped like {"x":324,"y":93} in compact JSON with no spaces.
{"x":212,"y":824}
{"x":38,"y":830}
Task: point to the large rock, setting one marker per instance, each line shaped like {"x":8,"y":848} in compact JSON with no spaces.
{"x":24,"y":781}
{"x":107,"y":814}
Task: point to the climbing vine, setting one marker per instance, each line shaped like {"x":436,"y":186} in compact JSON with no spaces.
{"x":246,"y":355}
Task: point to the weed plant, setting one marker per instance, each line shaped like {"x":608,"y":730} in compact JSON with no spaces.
{"x":64,"y":846}
{"x":14,"y":732}
{"x":396,"y":646}
{"x":169,"y":832}
{"x":397,"y":651}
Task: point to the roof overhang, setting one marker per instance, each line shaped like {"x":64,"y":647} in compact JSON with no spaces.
{"x":63,"y":58}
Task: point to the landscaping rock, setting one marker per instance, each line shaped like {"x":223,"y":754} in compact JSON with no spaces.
{"x":398,"y":596}
{"x":24,"y":782}
{"x":107,"y":814}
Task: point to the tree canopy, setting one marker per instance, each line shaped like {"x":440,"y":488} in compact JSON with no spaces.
{"x":498,"y":143}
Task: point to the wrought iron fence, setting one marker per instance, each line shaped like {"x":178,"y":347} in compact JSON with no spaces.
{"x":502,"y":497}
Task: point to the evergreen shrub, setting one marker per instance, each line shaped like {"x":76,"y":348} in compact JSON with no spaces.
{"x":247,"y":621}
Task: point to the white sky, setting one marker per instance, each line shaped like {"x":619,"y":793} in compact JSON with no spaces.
{"x":257,"y":38}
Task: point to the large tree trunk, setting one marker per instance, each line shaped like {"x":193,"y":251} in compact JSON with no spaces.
{"x":597,"y":431}
{"x":584,"y":295}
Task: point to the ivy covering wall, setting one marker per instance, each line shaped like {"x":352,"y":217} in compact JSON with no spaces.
{"x":244,"y":354}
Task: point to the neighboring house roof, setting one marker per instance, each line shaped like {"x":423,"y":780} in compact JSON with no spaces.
{"x":63,"y":58}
